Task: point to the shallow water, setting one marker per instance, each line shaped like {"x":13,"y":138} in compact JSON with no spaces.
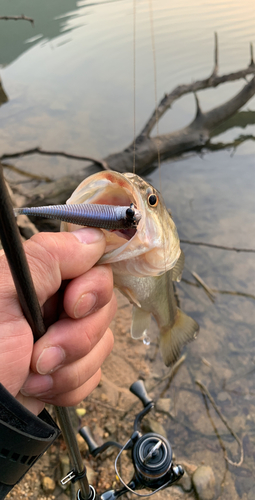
{"x":208,"y":204}
{"x":69,"y":80}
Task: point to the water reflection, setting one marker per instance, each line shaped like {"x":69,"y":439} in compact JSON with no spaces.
{"x":50,"y":21}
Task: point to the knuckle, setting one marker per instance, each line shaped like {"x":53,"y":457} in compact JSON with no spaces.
{"x":42,"y":255}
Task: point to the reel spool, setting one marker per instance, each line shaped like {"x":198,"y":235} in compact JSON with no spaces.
{"x":152,"y":459}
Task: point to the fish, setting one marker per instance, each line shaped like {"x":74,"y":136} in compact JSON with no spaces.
{"x":145,"y":259}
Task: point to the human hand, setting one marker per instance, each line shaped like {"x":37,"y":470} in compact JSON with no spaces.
{"x":78,"y":304}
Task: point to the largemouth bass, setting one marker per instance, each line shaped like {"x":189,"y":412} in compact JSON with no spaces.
{"x":145,"y":260}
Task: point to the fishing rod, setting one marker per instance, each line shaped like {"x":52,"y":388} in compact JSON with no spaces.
{"x":151,"y":453}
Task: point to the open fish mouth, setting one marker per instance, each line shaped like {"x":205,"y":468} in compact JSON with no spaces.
{"x":111,"y":188}
{"x":127,"y":234}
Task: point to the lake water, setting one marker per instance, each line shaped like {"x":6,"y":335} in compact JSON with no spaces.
{"x":69,"y":80}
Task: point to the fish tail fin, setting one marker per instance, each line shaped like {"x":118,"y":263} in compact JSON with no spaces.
{"x":172,"y":339}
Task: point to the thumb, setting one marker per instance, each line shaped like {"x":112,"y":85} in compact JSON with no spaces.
{"x":52,"y":258}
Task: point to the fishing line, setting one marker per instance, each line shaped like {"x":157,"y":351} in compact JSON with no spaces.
{"x":156,"y":105}
{"x":155,"y":85}
{"x":165,"y":250}
{"x":134,"y":80}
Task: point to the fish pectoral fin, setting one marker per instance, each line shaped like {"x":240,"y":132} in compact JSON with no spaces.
{"x":140,"y":322}
{"x":173,"y":339}
{"x":129,"y":294}
{"x":178,"y":268}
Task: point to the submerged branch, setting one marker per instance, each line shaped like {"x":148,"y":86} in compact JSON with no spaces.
{"x":17,"y":18}
{"x":221,"y":247}
{"x":26,"y":174}
{"x":206,"y":288}
{"x":40,"y":151}
{"x":206,"y":393}
{"x":169,"y":375}
{"x":222,"y":292}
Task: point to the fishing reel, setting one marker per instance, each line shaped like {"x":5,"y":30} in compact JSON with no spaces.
{"x":151,"y":456}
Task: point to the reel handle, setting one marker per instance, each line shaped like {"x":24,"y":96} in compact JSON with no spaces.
{"x":88,"y":438}
{"x":138,"y":389}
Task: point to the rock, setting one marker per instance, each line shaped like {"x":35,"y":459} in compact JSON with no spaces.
{"x":185,"y":482}
{"x":80,"y":412}
{"x":98,"y":432}
{"x":83,"y":447}
{"x":63,"y":496}
{"x":110,"y":427}
{"x":188,"y":467}
{"x":251,"y":494}
{"x":48,"y":484}
{"x":164,"y":405}
{"x":224,"y":396}
{"x":204,"y":482}
{"x":91,"y":474}
{"x":104,"y":397}
{"x":151,"y":425}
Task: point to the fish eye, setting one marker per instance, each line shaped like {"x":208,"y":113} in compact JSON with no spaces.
{"x":153,"y":200}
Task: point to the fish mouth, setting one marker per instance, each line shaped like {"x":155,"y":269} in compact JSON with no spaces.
{"x":112,"y":188}
{"x":142,"y":248}
{"x":127,"y":234}
{"x":118,"y":197}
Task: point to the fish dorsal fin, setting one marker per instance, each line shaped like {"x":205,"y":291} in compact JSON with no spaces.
{"x":173,"y":339}
{"x":178,"y":268}
{"x":140,"y":322}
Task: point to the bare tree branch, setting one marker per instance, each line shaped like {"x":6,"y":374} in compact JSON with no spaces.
{"x":251,"y":52}
{"x":212,"y":81}
{"x":17,"y":18}
{"x":201,"y":243}
{"x":26,"y":174}
{"x":193,"y":136}
{"x":3,"y":95}
{"x":205,"y":392}
{"x":40,"y":151}
{"x":222,"y":292}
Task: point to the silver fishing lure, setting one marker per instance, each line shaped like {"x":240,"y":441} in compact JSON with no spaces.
{"x":102,"y":216}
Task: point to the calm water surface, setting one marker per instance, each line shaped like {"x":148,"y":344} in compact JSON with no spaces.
{"x":69,"y":80}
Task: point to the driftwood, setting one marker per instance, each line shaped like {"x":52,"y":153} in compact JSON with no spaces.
{"x":194,"y":136}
